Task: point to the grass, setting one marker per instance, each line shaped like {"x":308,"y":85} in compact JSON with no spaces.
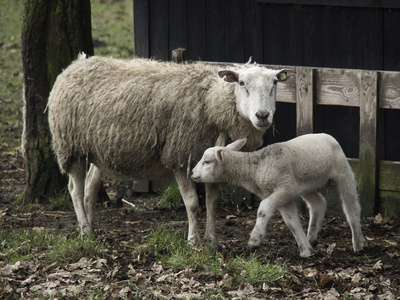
{"x":11,"y":76}
{"x":171,"y":196}
{"x":174,"y":252}
{"x":30,"y":244}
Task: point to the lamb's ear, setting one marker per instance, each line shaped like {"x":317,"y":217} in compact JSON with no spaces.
{"x":284,"y":74}
{"x":237,"y":145}
{"x":229,"y":76}
{"x":219,"y":154}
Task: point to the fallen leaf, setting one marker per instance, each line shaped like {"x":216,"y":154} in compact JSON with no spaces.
{"x":378,"y":265}
{"x":330,"y":249}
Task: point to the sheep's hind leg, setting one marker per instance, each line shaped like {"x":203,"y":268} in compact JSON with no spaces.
{"x":317,"y":207}
{"x":76,"y":188}
{"x":92,"y":187}
{"x":187,"y":187}
{"x":212,"y":194}
{"x":292,"y":220}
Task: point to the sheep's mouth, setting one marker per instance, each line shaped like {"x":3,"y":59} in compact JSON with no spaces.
{"x":263,"y":125}
{"x":196,"y":178}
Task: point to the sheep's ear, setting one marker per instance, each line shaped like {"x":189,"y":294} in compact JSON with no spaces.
{"x":237,"y":145}
{"x":284,"y":74}
{"x":229,"y":75}
{"x":219,"y":154}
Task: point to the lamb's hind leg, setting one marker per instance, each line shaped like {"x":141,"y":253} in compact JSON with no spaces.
{"x":92,"y":187}
{"x":187,"y":187}
{"x":292,"y":220}
{"x":76,"y":188}
{"x":351,"y":207}
{"x":317,"y":207}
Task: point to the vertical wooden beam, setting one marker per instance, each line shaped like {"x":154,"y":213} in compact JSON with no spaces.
{"x":304,"y":100}
{"x":368,"y":179}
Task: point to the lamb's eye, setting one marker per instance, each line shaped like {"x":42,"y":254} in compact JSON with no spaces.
{"x":241,"y":83}
{"x":206,"y":162}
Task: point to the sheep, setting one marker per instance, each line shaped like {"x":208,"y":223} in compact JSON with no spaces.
{"x":281,"y":172}
{"x":143,"y":119}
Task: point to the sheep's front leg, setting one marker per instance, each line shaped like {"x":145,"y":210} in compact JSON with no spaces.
{"x":76,"y":188}
{"x":264,"y":213}
{"x":187,"y":187}
{"x":292,"y":220}
{"x":92,"y":187}
{"x":212,"y":193}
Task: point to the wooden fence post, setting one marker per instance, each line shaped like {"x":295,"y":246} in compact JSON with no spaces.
{"x":368,"y":178}
{"x":304,"y":101}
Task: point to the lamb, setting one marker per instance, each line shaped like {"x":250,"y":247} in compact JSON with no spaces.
{"x":141,"y":119}
{"x":281,"y":172}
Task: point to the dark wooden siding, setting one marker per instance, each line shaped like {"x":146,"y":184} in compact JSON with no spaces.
{"x":340,"y":34}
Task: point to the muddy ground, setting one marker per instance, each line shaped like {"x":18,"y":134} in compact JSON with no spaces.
{"x":334,"y":272}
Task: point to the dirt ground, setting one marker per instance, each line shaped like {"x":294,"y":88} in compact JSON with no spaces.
{"x":334,"y":272}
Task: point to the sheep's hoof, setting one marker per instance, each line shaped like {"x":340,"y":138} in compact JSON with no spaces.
{"x":252,"y":248}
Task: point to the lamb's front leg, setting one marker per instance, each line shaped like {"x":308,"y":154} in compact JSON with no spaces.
{"x":212,"y":194}
{"x":187,"y":187}
{"x":264,"y":213}
{"x":292,"y":220}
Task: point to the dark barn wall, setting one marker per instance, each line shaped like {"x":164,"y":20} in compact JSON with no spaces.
{"x":284,"y":32}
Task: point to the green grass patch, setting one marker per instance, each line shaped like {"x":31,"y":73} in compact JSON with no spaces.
{"x":61,"y":202}
{"x":26,"y":244}
{"x":11,"y":76}
{"x":174,"y":252}
{"x":171,"y":196}
{"x":112,"y":28}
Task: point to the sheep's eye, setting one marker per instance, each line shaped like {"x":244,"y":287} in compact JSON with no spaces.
{"x":241,"y":83}
{"x":206,"y":162}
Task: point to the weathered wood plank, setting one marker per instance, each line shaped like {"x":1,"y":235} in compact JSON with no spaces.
{"x":368,"y":155}
{"x":304,"y":101}
{"x":389,"y":90}
{"x":337,"y":87}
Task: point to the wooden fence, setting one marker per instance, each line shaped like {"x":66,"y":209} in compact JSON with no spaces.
{"x":378,"y":181}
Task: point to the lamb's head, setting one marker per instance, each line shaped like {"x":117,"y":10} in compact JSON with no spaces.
{"x":211,"y":167}
{"x":256,"y":92}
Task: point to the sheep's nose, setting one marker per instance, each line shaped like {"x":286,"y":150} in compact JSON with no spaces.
{"x":262,"y":116}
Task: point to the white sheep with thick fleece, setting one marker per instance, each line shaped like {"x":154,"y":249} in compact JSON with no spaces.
{"x":281,"y":172}
{"x":142,"y":119}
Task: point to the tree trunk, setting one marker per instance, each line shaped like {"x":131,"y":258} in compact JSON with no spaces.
{"x":54,"y":32}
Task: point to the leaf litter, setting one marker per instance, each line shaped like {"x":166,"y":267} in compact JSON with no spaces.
{"x":334,"y":271}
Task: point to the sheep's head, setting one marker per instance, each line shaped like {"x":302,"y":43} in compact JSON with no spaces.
{"x":211,"y":167}
{"x":256,"y":92}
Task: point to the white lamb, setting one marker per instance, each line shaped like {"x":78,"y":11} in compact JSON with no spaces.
{"x":281,"y":172}
{"x":142,"y":119}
